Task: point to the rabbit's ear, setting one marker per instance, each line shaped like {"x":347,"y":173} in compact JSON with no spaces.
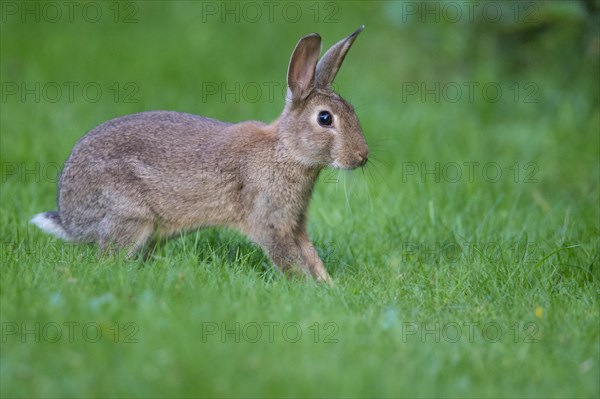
{"x":301,"y":72}
{"x":330,"y":64}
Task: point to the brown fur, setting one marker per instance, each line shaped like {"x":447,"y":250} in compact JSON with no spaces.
{"x":166,"y":172}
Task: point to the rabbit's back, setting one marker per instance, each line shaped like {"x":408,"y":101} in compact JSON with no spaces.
{"x":160,"y":166}
{"x":148,"y":135}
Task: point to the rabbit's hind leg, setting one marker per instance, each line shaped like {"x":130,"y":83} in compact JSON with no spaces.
{"x":131,"y":234}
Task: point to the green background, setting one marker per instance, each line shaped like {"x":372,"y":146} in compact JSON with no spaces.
{"x":465,"y":254}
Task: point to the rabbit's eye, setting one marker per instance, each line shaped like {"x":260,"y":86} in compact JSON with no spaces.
{"x":325,"y":118}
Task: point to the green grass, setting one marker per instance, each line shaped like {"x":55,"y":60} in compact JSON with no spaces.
{"x":416,"y":257}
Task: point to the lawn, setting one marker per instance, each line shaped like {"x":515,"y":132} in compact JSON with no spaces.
{"x":465,"y":254}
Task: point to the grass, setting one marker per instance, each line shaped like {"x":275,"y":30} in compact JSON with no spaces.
{"x":445,"y":286}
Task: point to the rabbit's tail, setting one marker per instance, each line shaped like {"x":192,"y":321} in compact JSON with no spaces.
{"x":50,"y":222}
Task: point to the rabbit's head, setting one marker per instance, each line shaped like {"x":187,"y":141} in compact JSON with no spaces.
{"x":318,"y":127}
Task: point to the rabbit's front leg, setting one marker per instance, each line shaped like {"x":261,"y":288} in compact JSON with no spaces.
{"x":311,"y":258}
{"x":287,"y":251}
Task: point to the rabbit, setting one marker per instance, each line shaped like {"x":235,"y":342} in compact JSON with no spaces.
{"x":159,"y":173}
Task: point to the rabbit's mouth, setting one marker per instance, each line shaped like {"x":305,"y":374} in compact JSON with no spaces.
{"x":349,"y":166}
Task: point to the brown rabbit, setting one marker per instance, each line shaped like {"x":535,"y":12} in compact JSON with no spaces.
{"x":161,"y":172}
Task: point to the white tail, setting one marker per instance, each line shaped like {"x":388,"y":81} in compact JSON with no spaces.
{"x":50,"y":223}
